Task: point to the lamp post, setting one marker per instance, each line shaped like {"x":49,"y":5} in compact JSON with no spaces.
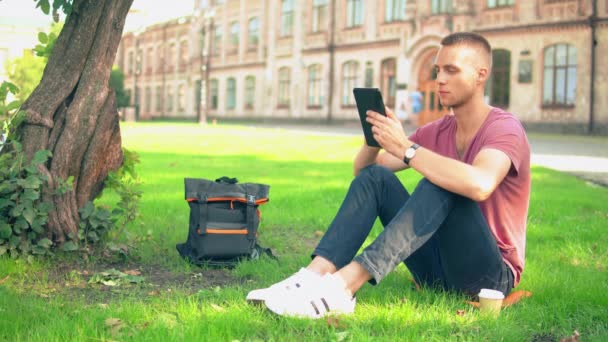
{"x":207,"y":39}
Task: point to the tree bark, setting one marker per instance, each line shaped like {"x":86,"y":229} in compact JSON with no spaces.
{"x":72,"y":112}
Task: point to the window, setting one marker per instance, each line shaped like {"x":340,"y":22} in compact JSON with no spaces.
{"x":315,"y":86}
{"x":217,"y":41}
{"x":172,"y":56}
{"x":286,"y":18}
{"x":149,"y":60}
{"x":319,"y":15}
{"x":253,"y":33}
{"x":147,"y":99}
{"x":159,"y":99}
{"x":500,"y":80}
{"x":441,"y":6}
{"x":394,"y":10}
{"x":231,"y":93}
{"x":181,"y":98}
{"x":213,"y":93}
{"x":369,"y":75}
{"x":183,"y":55}
{"x":130,"y":63}
{"x":284,"y":85}
{"x":138,"y":61}
{"x":234,"y":37}
{"x":389,"y":89}
{"x":169,"y":99}
{"x":559,"y":77}
{"x":500,"y":3}
{"x":349,"y":81}
{"x":354,"y":13}
{"x":249,"y":92}
{"x":160,"y":58}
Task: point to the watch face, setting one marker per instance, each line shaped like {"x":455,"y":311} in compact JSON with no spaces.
{"x":410,"y":152}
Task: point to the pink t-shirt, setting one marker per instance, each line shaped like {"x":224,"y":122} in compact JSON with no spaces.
{"x":506,"y":210}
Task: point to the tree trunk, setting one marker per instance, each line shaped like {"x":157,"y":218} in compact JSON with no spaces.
{"x":72,"y":112}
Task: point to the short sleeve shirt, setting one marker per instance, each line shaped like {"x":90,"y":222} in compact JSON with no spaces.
{"x":506,"y":210}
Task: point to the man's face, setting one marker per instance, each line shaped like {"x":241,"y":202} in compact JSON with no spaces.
{"x":458,"y":76}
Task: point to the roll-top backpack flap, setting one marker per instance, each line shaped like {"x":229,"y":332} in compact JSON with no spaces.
{"x":224,"y":219}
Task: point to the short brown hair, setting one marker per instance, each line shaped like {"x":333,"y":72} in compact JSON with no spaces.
{"x":467,"y":38}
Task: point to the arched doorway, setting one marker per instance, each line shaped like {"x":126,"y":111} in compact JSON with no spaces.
{"x":431,"y":107}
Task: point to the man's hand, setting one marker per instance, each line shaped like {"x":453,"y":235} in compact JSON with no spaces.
{"x":389,"y":132}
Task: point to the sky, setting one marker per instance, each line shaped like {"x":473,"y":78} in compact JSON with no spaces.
{"x":143,"y":12}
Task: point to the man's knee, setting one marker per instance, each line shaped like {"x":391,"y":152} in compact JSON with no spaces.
{"x":376,"y":172}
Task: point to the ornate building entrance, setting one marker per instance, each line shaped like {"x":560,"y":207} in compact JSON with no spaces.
{"x":431,"y":107}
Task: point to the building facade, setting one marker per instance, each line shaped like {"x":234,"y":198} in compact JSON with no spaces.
{"x":288,"y":59}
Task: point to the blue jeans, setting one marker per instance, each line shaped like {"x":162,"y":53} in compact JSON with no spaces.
{"x":442,"y":237}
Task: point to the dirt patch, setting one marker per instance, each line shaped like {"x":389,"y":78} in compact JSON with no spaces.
{"x":75,"y":280}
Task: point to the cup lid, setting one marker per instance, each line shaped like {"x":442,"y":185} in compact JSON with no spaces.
{"x":491,"y":294}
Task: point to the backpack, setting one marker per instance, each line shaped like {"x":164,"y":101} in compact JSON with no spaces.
{"x":224,"y":220}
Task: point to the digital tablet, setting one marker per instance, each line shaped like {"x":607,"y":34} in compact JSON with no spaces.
{"x":368,"y":99}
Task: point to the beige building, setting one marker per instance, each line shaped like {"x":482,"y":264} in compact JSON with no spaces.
{"x":299,"y":60}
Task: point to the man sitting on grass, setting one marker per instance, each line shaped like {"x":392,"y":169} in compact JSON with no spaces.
{"x":464,"y":226}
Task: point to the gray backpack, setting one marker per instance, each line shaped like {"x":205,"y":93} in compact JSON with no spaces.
{"x":224,"y":220}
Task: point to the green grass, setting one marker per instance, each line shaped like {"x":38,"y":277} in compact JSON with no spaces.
{"x":566,"y":264}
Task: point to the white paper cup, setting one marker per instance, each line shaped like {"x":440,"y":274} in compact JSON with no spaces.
{"x":490,"y":301}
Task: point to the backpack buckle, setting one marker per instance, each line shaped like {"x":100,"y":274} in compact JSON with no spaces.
{"x":250,"y":199}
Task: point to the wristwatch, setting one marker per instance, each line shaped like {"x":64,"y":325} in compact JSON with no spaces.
{"x":410,"y":153}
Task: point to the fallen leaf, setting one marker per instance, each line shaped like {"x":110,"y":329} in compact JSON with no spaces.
{"x":333,"y":321}
{"x":132,"y":272}
{"x":318,"y":233}
{"x":115,"y":325}
{"x":103,"y":305}
{"x":153,"y":293}
{"x":460,"y":312}
{"x":573,"y":338}
{"x":341,"y":336}
{"x":3,"y":280}
{"x":217,"y":308}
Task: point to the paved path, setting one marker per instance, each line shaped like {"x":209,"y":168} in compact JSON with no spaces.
{"x":583,"y":156}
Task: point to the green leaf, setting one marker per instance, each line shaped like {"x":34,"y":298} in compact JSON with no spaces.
{"x":14,"y":241}
{"x":39,"y":250}
{"x":44,"y":6}
{"x":41,"y":157}
{"x":69,"y":246}
{"x":46,"y":243}
{"x":13,"y":105}
{"x":43,"y":38}
{"x":87,"y":210}
{"x":5,"y":203}
{"x":29,"y":214}
{"x":17,"y":210}
{"x":3,"y":249}
{"x":30,"y":194}
{"x":31,"y":182}
{"x":5,"y":231}
{"x":92,"y":236}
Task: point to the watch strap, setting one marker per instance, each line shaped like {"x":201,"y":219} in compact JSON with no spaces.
{"x":407,"y":160}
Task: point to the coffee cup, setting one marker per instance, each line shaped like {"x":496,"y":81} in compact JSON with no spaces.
{"x":490,"y":301}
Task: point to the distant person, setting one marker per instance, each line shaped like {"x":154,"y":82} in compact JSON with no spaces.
{"x":416,"y":100}
{"x":464,"y":226}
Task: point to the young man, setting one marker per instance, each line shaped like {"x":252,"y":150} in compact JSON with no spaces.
{"x":463,"y":228}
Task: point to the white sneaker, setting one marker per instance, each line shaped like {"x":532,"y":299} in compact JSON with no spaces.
{"x":324,"y":297}
{"x":295,"y":281}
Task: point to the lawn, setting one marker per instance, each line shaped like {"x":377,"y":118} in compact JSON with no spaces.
{"x":566,"y":256}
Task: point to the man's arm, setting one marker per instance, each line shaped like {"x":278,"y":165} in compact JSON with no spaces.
{"x":369,"y":155}
{"x":476,"y":181}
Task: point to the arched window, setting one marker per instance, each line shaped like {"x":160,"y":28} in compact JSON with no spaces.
{"x":387,"y":75}
{"x":249,"y":92}
{"x":284,"y":85}
{"x":315,"y":86}
{"x":253,"y":33}
{"x":230,"y":93}
{"x":559,"y":76}
{"x":350,"y":80}
{"x":234,"y":37}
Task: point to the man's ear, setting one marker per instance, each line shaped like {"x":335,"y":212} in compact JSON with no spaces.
{"x":482,"y":75}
